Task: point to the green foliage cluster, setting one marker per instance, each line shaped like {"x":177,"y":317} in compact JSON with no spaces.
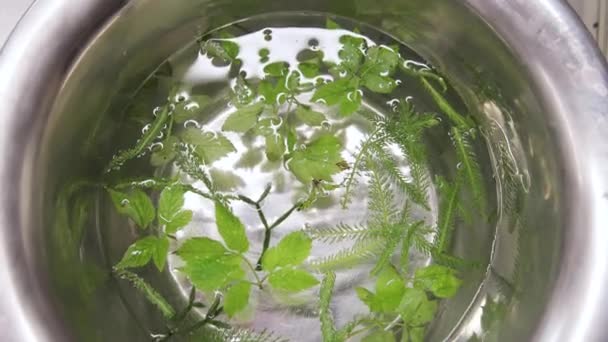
{"x":404,"y":301}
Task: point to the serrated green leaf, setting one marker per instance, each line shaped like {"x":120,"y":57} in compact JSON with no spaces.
{"x":272,"y":130}
{"x":379,"y":84}
{"x":244,"y":118}
{"x":308,"y":69}
{"x":210,"y":274}
{"x":231,"y":229}
{"x":318,"y":161}
{"x":136,"y":205}
{"x":276,"y":69}
{"x":292,"y":250}
{"x":415,"y":308}
{"x":250,"y":159}
{"x":439,"y":280}
{"x":236,"y":298}
{"x":389,"y":289}
{"x":180,"y":220}
{"x":379,"y":335}
{"x":208,"y":146}
{"x":170,"y":203}
{"x":201,"y":248}
{"x":381,"y":61}
{"x":351,"y":55}
{"x":309,"y":116}
{"x":159,"y":255}
{"x":166,"y":154}
{"x":292,"y":280}
{"x":142,"y":251}
{"x":343,"y":92}
{"x":273,"y":93}
{"x":224,"y":180}
{"x":191,"y":109}
{"x":224,"y":49}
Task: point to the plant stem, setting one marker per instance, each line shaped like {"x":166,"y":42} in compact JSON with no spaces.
{"x":253,"y":270}
{"x":213,"y":311}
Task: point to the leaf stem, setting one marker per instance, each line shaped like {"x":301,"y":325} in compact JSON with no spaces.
{"x":253,"y":270}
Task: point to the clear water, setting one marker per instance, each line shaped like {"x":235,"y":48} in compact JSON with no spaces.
{"x":248,"y":171}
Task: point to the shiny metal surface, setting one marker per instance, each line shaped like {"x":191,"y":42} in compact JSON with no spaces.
{"x":68,"y":66}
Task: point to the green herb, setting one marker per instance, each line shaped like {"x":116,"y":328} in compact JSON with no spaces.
{"x":318,"y":161}
{"x":144,"y":250}
{"x":231,"y":228}
{"x":136,"y":205}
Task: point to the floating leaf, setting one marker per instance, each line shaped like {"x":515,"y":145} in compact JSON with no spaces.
{"x":276,"y":69}
{"x":292,"y":250}
{"x":342,"y":92}
{"x":440,"y":280}
{"x":379,"y":84}
{"x":208,"y":145}
{"x":308,"y":69}
{"x":351,"y":54}
{"x":236,"y":298}
{"x":244,"y":118}
{"x":231,"y":228}
{"x":136,"y":205}
{"x":309,"y":116}
{"x":292,"y":280}
{"x":318,"y":161}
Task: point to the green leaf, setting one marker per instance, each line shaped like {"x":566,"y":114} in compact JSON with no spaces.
{"x":416,"y":334}
{"x":231,"y":229}
{"x":209,"y":146}
{"x":379,"y":335}
{"x":243,"y":93}
{"x":166,"y":154}
{"x":136,"y":205}
{"x":273,"y":94}
{"x":226,"y":180}
{"x":210,"y":274}
{"x":180,"y":220}
{"x":250,"y":159}
{"x":224,"y":49}
{"x":440,"y":280}
{"x":351,"y":54}
{"x":276,"y":69}
{"x":308,"y":69}
{"x":201,"y":248}
{"x":343,"y":92}
{"x":318,"y":161}
{"x":415,"y":308}
{"x":379,"y":84}
{"x":369,"y":298}
{"x":330,"y":24}
{"x":236,"y":298}
{"x":380,"y":61}
{"x":292,"y":250}
{"x":389,"y":289}
{"x":191,"y":109}
{"x":170,"y":202}
{"x":244,"y":118}
{"x":272,"y":130}
{"x":142,"y":251}
{"x":292,"y":280}
{"x":309,"y":116}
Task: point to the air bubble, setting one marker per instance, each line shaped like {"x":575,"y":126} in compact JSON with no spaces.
{"x":160,"y":135}
{"x":191,"y":124}
{"x":146,"y":129}
{"x":326,"y":125}
{"x":124,"y":202}
{"x":398,"y":82}
{"x":156,"y":111}
{"x":459,"y":166}
{"x":156,"y":147}
{"x":267,"y":31}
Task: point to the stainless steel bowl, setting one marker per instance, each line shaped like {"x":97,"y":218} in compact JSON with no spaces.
{"x":68,"y":64}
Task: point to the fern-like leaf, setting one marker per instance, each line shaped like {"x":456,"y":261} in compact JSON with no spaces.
{"x":349,"y":257}
{"x":241,"y":335}
{"x":381,"y":197}
{"x":389,"y":249}
{"x":328,"y":328}
{"x":341,"y":232}
{"x":355,"y":171}
{"x":468,"y":167}
{"x":190,"y":164}
{"x":148,"y":291}
{"x":448,"y":209}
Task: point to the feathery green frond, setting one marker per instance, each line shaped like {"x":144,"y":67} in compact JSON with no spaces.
{"x":190,"y":164}
{"x":381,"y":198}
{"x":341,"y":232}
{"x":468,"y":167}
{"x":351,"y":179}
{"x":448,"y":208}
{"x":241,"y":335}
{"x":328,"y":328}
{"x":362,"y":251}
{"x":390,"y":245}
{"x":148,"y":291}
{"x":444,"y":105}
